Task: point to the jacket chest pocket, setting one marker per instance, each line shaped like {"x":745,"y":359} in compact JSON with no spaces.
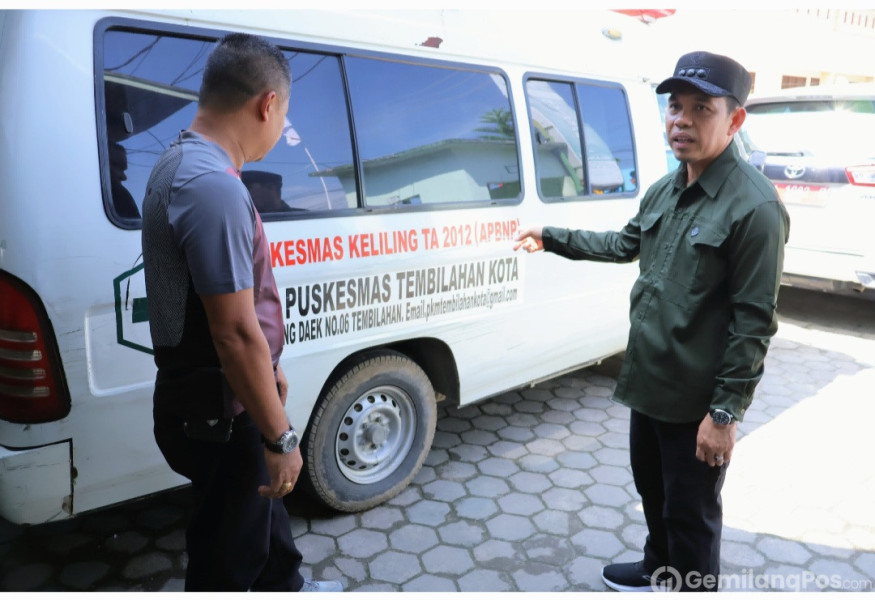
{"x":700,"y":263}
{"x":649,"y":240}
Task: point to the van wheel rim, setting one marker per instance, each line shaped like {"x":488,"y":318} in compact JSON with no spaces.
{"x":375,"y":434}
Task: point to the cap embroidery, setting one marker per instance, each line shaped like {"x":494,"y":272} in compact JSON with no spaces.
{"x":694,"y":72}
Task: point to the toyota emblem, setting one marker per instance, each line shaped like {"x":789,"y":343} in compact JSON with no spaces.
{"x":794,"y":171}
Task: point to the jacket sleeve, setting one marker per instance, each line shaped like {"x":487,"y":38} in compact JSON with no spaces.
{"x":607,"y":246}
{"x":756,"y":263}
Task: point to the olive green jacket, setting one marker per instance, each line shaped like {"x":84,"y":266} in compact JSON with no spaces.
{"x":703,"y":307}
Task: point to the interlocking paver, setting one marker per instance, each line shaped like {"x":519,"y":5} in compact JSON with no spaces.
{"x":564,"y":499}
{"x":537,"y":463}
{"x":577,"y":459}
{"x":470,"y":453}
{"x":585,"y":573}
{"x":413,"y":538}
{"x":786,"y":551}
{"x":556,"y":522}
{"x":601,"y":517}
{"x":545,"y":446}
{"x":456,"y":471}
{"x":529,"y":482}
{"x":570,"y":478}
{"x":362,"y":543}
{"x":549,"y":549}
{"x":487,"y":486}
{"x":448,"y":560}
{"x":444,"y":490}
{"x":517,"y":503}
{"x":597,"y":543}
{"x":463,"y":533}
{"x":335,"y":526}
{"x":499,"y":467}
{"x":742,"y":555}
{"x":429,"y":583}
{"x":479,"y":438}
{"x":607,"y":495}
{"x":476,"y":508}
{"x":510,"y":527}
{"x":316,"y":547}
{"x":516,"y":434}
{"x":484,"y":580}
{"x":395,"y":567}
{"x":496,"y":554}
{"x":428,"y":512}
{"x":536,"y":577}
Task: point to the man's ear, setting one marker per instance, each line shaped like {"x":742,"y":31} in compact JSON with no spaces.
{"x":267,"y":102}
{"x":737,"y":120}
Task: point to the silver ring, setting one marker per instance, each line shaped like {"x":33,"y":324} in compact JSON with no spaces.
{"x":718,"y":458}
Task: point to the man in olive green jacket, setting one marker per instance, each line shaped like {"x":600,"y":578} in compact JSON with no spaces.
{"x":710,"y":239}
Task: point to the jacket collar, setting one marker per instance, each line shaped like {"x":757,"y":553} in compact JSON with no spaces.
{"x":715,"y":175}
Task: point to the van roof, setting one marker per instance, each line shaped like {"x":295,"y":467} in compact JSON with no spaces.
{"x":580,"y":40}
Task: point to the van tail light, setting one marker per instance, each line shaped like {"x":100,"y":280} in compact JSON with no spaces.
{"x":32,"y":384}
{"x":861,"y":175}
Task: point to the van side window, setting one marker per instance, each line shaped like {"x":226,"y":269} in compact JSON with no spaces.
{"x":151,"y":83}
{"x":574,"y":161}
{"x":297,"y":174}
{"x":429,"y":135}
{"x":425,"y":134}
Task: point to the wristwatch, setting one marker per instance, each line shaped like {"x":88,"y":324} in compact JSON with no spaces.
{"x":286,"y":443}
{"x":721,"y":417}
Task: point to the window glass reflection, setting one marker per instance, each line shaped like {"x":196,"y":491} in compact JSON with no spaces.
{"x":316,"y":140}
{"x":598,"y":162}
{"x":151,"y":84}
{"x":556,"y":136}
{"x":610,"y":154}
{"x":431,"y":135}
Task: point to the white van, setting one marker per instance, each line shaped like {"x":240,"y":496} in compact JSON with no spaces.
{"x":419,"y":143}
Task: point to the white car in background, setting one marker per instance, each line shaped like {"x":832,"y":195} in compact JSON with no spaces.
{"x":817,"y":145}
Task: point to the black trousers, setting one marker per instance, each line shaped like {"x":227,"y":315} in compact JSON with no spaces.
{"x":681,"y":500}
{"x":236,"y":540}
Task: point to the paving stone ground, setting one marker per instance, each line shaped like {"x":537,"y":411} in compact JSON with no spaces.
{"x":531,"y":491}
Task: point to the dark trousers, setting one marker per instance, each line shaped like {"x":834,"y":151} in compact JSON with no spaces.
{"x":681,"y":500}
{"x":236,"y":540}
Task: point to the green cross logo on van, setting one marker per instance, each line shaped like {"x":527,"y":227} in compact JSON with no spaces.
{"x":132,"y":310}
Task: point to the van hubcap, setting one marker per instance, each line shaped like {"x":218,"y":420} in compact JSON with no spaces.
{"x":375,"y":435}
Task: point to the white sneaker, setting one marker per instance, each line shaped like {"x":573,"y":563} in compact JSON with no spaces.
{"x":321,"y":586}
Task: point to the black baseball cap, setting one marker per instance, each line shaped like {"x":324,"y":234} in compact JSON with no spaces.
{"x":714,"y":74}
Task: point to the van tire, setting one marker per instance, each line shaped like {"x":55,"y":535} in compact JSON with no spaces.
{"x":370,"y":433}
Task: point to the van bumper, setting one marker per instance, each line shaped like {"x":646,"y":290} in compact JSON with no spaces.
{"x":36,"y":484}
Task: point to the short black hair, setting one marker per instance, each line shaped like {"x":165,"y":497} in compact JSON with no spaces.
{"x":732,"y":103}
{"x":240,"y":67}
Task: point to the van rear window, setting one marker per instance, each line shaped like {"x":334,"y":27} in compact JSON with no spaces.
{"x":426,"y":134}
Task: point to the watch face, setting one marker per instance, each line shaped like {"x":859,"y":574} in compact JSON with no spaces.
{"x":721,"y":417}
{"x":289,"y":441}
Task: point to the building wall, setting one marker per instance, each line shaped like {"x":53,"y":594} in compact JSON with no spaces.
{"x":781,"y":47}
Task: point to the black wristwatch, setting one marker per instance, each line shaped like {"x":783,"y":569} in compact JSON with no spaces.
{"x":721,"y":417}
{"x":286,"y":443}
